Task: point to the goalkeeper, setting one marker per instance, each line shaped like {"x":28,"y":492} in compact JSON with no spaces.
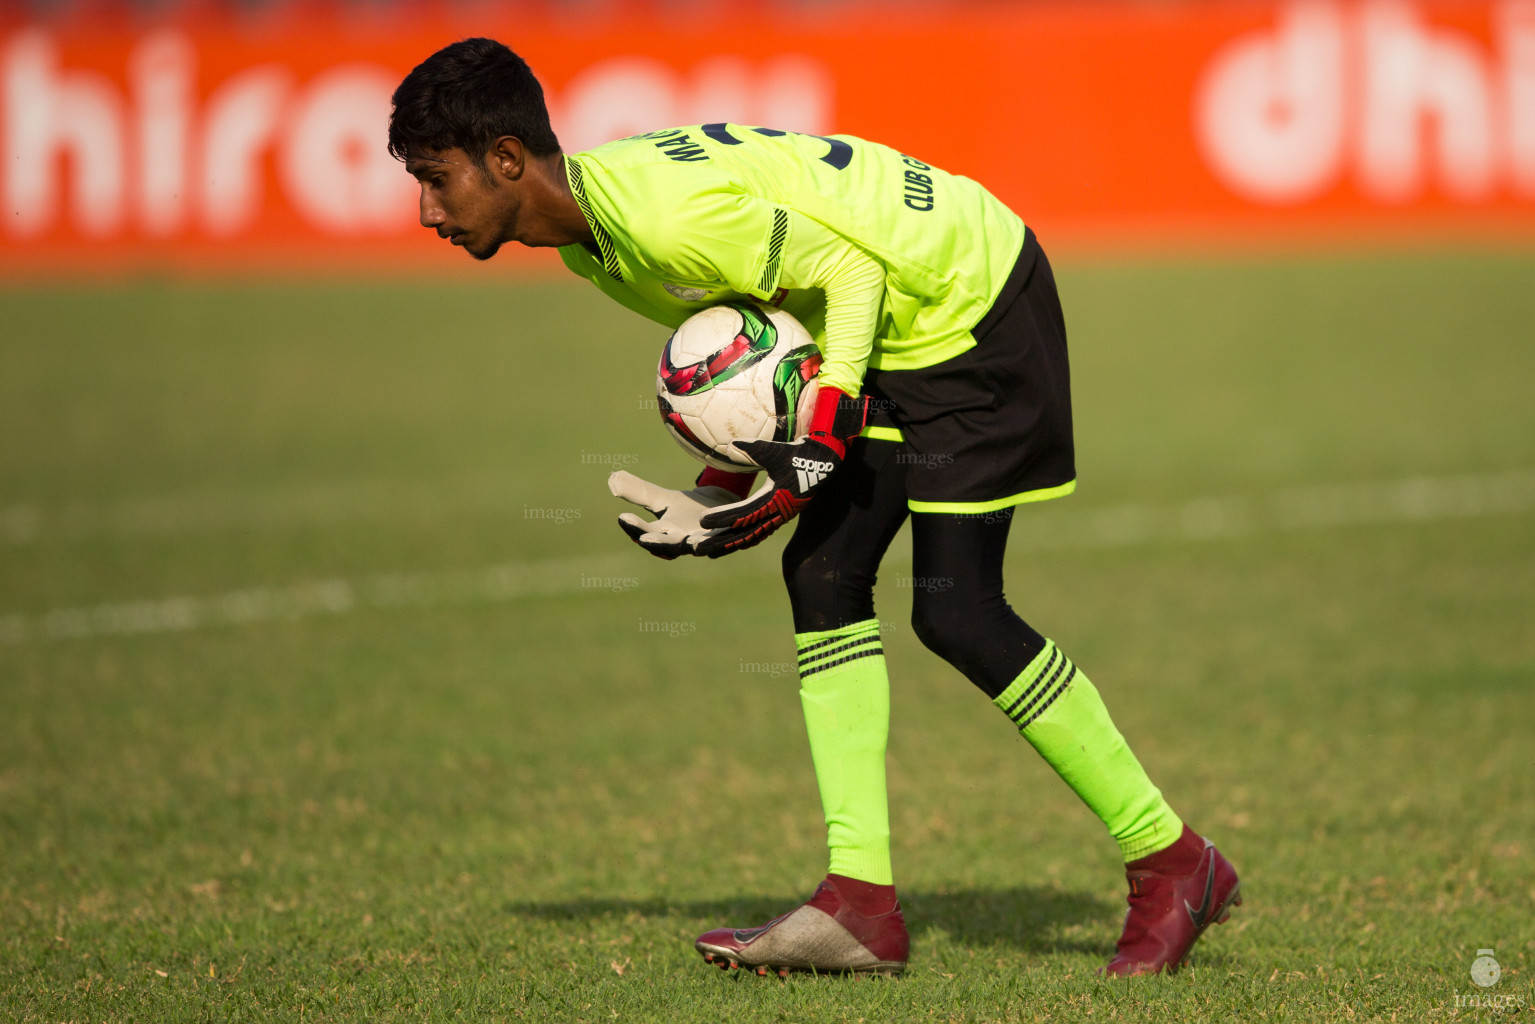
{"x":944,"y":398}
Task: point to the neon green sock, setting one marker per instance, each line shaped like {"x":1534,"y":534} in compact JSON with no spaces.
{"x":846,"y":696}
{"x":1059,"y":711}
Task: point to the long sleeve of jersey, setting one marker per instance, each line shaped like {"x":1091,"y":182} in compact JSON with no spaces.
{"x":755,"y":247}
{"x":854,"y":285}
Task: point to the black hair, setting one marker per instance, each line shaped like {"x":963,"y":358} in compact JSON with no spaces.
{"x":466,"y":96}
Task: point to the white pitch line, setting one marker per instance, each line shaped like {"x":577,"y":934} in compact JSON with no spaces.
{"x":312,"y":599}
{"x":1413,"y":500}
{"x":318,"y":503}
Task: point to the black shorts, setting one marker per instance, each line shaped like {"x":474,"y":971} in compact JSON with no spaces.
{"x":991,"y":427}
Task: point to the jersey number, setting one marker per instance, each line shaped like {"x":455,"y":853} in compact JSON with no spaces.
{"x":840,"y":155}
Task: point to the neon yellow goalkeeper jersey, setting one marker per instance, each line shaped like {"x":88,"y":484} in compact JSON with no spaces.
{"x":887,"y":261}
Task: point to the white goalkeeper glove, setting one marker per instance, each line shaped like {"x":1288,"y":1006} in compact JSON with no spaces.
{"x":675,"y":530}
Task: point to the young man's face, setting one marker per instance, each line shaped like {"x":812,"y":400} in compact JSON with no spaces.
{"x":465,"y":200}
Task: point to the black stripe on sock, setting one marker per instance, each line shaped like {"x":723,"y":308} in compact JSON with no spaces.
{"x":872,"y":630}
{"x":1043,"y":707}
{"x":1065,"y":683}
{"x":838,"y":650}
{"x":840,"y":661}
{"x":1046,"y":688}
{"x":1055,"y":652}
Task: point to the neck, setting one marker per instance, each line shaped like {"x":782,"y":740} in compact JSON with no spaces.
{"x":551,"y":216}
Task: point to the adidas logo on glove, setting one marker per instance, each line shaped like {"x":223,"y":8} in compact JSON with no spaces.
{"x":810,"y":471}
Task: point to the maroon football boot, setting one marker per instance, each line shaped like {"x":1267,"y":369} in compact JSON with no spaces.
{"x":1171,"y":906}
{"x":825,"y":935}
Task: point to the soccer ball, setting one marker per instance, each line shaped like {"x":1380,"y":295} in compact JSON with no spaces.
{"x":737,"y":372}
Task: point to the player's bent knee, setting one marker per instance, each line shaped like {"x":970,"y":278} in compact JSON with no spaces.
{"x":977,"y":633}
{"x":806,"y":577}
{"x":822,"y":598}
{"x":944,"y":623}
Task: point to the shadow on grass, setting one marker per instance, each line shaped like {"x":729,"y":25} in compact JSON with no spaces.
{"x":1030,"y":918}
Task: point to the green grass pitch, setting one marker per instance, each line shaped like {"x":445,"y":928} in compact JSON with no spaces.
{"x":329,"y":691}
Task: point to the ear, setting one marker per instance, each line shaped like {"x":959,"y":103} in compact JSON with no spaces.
{"x":506,"y":158}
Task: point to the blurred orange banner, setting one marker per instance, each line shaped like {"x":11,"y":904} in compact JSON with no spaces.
{"x":221,"y":140}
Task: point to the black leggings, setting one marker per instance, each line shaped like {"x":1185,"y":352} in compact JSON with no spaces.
{"x":958,"y":609}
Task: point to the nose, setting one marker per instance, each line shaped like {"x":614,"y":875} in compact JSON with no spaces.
{"x":432,"y":214}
